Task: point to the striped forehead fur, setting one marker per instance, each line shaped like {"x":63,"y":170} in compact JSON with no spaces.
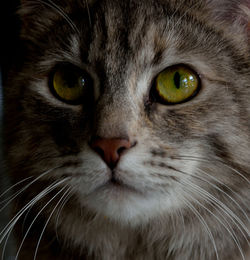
{"x":187,"y":170}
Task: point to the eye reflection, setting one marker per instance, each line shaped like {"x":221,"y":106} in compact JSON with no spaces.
{"x":70,"y":84}
{"x":176,"y":84}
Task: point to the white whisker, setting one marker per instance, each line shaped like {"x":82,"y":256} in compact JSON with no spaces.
{"x":5,"y":246}
{"x":232,"y":234}
{"x":204,"y":223}
{"x":19,"y":249}
{"x":87,"y":6}
{"x":13,"y":186}
{"x":220,"y":205}
{"x":26,"y":187}
{"x":8,"y":228}
{"x":40,"y":238}
{"x":59,"y":10}
{"x":216,"y":187}
{"x":26,"y":216}
{"x":66,"y":199}
{"x":202,"y":159}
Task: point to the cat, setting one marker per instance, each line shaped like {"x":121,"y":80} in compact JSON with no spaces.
{"x":127,"y":131}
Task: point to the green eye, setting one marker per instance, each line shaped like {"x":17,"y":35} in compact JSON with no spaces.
{"x":69,"y":84}
{"x":177,"y":84}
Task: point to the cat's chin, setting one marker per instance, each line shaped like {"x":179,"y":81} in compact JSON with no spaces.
{"x":126,"y":205}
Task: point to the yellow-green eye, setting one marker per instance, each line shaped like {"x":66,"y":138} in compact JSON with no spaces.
{"x":177,"y":84}
{"x":69,"y":84}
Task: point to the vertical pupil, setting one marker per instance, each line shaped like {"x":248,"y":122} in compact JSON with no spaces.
{"x":177,"y":78}
{"x":70,"y":80}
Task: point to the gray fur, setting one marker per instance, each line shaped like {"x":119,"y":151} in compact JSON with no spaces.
{"x":190,"y":164}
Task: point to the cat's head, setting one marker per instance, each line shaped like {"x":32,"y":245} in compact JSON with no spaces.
{"x":140,"y":107}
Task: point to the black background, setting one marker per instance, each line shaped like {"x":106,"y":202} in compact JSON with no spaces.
{"x":10,"y":44}
{"x":9,"y":53}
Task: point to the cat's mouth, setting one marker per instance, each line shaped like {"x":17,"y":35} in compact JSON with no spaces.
{"x":120,"y":185}
{"x":117,"y":185}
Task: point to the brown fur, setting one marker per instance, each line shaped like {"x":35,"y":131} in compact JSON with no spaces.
{"x":190,"y":164}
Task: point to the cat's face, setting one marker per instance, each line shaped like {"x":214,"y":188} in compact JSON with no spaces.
{"x":170,"y":155}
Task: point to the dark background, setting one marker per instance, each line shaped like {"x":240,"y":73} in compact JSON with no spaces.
{"x":9,"y":51}
{"x":10,"y":26}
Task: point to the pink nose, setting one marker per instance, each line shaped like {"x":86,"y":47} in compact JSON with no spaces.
{"x":110,"y":149}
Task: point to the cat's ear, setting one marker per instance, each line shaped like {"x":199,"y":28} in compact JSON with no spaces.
{"x":233,"y":13}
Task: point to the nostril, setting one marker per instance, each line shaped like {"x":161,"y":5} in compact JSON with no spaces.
{"x":133,"y":144}
{"x":110,"y":150}
{"x":121,"y":149}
